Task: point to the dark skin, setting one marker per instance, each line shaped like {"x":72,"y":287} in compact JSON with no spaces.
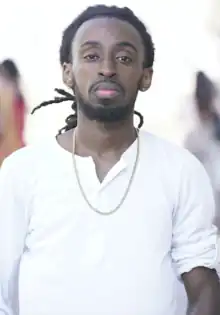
{"x":112,"y":48}
{"x":203,"y":291}
{"x":115,"y":55}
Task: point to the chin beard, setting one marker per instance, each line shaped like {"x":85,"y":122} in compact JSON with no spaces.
{"x":105,"y":113}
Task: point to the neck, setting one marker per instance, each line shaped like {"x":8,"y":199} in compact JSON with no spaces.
{"x":100,"y":138}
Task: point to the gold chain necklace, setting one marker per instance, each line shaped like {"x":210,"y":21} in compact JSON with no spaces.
{"x":127,"y":189}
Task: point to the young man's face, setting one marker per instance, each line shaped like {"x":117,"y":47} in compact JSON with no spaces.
{"x":107,"y":68}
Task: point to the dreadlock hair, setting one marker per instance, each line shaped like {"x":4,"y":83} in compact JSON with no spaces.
{"x":124,"y":14}
{"x":71,"y":120}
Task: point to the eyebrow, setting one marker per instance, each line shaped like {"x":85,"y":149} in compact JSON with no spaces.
{"x":97,"y":44}
{"x":90,"y":43}
{"x":127,"y":44}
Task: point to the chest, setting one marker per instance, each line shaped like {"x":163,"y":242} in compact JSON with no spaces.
{"x":61,"y":217}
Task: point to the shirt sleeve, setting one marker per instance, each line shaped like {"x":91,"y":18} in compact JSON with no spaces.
{"x":13,"y":227}
{"x":194,"y":242}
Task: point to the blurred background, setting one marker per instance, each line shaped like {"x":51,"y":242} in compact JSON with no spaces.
{"x":186,"y":35}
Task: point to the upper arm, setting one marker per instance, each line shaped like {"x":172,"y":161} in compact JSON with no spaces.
{"x":13,"y":227}
{"x":194,"y":241}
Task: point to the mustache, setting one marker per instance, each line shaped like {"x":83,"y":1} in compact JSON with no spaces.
{"x":106,"y":81}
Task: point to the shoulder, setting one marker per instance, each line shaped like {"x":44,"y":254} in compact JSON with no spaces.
{"x":180,"y":172}
{"x":24,"y":162}
{"x":169,"y":154}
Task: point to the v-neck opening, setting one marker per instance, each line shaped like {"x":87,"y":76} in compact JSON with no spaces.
{"x":115,"y":170}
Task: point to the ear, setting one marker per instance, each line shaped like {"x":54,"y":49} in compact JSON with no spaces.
{"x":68,"y":77}
{"x":146,"y":80}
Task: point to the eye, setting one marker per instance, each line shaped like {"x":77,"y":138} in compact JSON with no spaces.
{"x":91,"y":57}
{"x":124,"y":59}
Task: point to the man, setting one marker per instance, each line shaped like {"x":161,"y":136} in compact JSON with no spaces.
{"x":100,"y":219}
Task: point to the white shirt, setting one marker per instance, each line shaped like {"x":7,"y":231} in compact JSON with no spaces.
{"x":57,"y":256}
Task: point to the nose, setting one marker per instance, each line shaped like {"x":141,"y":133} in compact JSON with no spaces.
{"x":107,"y":69}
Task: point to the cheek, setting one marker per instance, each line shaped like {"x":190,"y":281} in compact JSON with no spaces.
{"x":132,"y":85}
{"x":82,"y":79}
{"x":131,"y":79}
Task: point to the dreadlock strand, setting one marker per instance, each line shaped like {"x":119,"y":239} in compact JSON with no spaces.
{"x":65,"y":97}
{"x":71,"y":123}
{"x":64,"y":93}
{"x":140,"y":116}
{"x":71,"y":120}
{"x":45,"y":104}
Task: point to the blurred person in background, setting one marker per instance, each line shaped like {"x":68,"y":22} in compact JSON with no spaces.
{"x":12,"y":110}
{"x":204,"y":141}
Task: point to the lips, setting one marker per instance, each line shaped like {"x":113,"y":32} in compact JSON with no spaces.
{"x":107,"y":90}
{"x":106,"y":93}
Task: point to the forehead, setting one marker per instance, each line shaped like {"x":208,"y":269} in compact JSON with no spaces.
{"x":107,"y":31}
